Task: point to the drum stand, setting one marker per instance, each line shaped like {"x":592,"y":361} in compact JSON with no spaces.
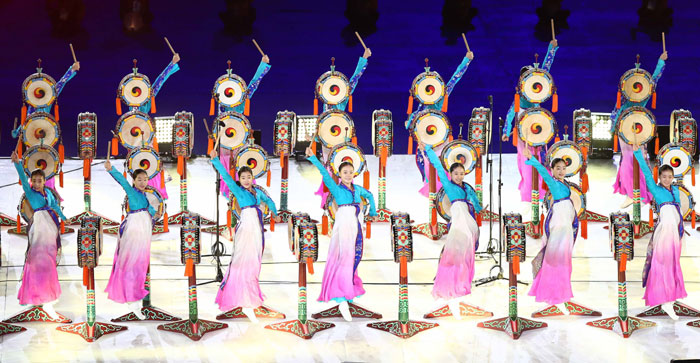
{"x":7,"y":221}
{"x":36,"y":313}
{"x":6,"y":329}
{"x":177,"y":217}
{"x":356,"y":311}
{"x":433,"y":229}
{"x":680,"y":309}
{"x":465,"y":310}
{"x":403,"y":327}
{"x":302,"y":327}
{"x":87,"y":197}
{"x":534,"y":228}
{"x":573,"y":308}
{"x":149,"y":311}
{"x":283,"y":210}
{"x":383,"y":213}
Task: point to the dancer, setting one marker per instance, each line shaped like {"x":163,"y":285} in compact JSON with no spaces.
{"x":240,"y":287}
{"x":551,"y":267}
{"x":662,"y":275}
{"x":341,"y":282}
{"x":456,"y":265}
{"x":133,"y":254}
{"x":39,"y":281}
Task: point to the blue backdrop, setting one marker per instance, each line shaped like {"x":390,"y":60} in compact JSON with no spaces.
{"x":301,"y":36}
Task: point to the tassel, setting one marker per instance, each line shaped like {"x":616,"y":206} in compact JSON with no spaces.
{"x":365,"y":181}
{"x":189,"y":267}
{"x":246,"y":109}
{"x":282,"y":160}
{"x":115,"y":146}
{"x":228,"y":218}
{"x":269,"y":175}
{"x":692,"y":219}
{"x":60,"y":178}
{"x":212,"y":106}
{"x":162,"y":179}
{"x":122,"y":218}
{"x":516,"y":103}
{"x":19,"y":224}
{"x":584,"y":229}
{"x":614,"y":143}
{"x":692,"y":175}
{"x":444,"y":103}
{"x":368,"y":231}
{"x":515,"y":136}
{"x":119,"y":106}
{"x":86,"y":275}
{"x":555,"y":102}
{"x":210,"y":145}
{"x":86,"y":168}
{"x":544,"y":186}
{"x":55,"y":111}
{"x":155,"y":144}
{"x":350,"y":104}
{"x":584,"y":183}
{"x":410,"y":145}
{"x":315,"y":106}
{"x":165,"y":222}
{"x":478,"y":219}
{"x":409,"y":110}
{"x":653,"y":100}
{"x":450,"y":138}
{"x":19,"y":150}
{"x":651,"y":217}
{"x":557,"y":138}
{"x":354,"y":140}
{"x":516,"y":265}
{"x":61,"y":153}
{"x":180,"y":165}
{"x":153,"y":104}
{"x":618,"y":103}
{"x":24,"y":113}
{"x":124,"y":172}
{"x":584,"y":151}
{"x":310,"y":265}
{"x":313,"y":147}
{"x":403,"y":266}
{"x":324,"y":225}
{"x":63,"y":227}
{"x":383,"y":154}
{"x":656,"y":174}
{"x":272,"y":224}
{"x":656,"y":145}
{"x":623,"y":262}
{"x":325,"y":188}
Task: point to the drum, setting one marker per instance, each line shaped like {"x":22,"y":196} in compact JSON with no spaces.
{"x":636,"y":85}
{"x":622,"y":234}
{"x":40,"y":127}
{"x":236,"y":209}
{"x":537,"y":126}
{"x":570,"y":153}
{"x":615,"y":218}
{"x":582,"y":112}
{"x":515,"y":237}
{"x":25,"y":209}
{"x":154,"y":199}
{"x":135,"y":129}
{"x":230,"y":90}
{"x":332,"y":207}
{"x":479,"y":129}
{"x":429,"y":88}
{"x":87,"y":135}
{"x":39,"y":90}
{"x":307,"y":242}
{"x":637,"y":120}
{"x":686,"y":199}
{"x":431,"y":127}
{"x":443,"y":204}
{"x":536,"y":85}
{"x":577,"y":197}
{"x":41,"y":157}
{"x":459,"y":151}
{"x":190,"y":245}
{"x":89,"y":247}
{"x":235,"y":130}
{"x":402,"y":242}
{"x":254,"y":157}
{"x":382,"y":132}
{"x":334,"y":127}
{"x":135,"y":90}
{"x":333,"y":88}
{"x":183,"y":134}
{"x":583,"y":126}
{"x":94,"y":222}
{"x":684,"y":130}
{"x":510,"y":218}
{"x":285,"y":138}
{"x":677,"y":157}
{"x":400,"y":217}
{"x":145,"y":158}
{"x":293,"y":221}
{"x":347,"y":152}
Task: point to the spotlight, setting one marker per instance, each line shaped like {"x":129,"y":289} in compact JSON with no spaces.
{"x":601,"y":137}
{"x":164,"y":134}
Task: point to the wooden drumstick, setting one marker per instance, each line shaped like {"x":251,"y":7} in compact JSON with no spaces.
{"x":14,"y":125}
{"x":259,"y":49}
{"x":465,"y":42}
{"x":72,"y":51}
{"x":663,"y":41}
{"x":109,"y":149}
{"x":169,"y":46}
{"x":552,"y":23}
{"x":206,"y":126}
{"x":360,"y":39}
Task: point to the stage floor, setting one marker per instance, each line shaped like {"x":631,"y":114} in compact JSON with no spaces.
{"x":566,"y":339}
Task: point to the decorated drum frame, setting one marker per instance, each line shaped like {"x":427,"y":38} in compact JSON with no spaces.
{"x":531,"y":73}
{"x":239,"y":153}
{"x":140,"y":115}
{"x":454,"y":144}
{"x":532,"y":111}
{"x":238,"y":117}
{"x":632,"y":110}
{"x":135,"y":151}
{"x":329,"y":74}
{"x":284,"y":133}
{"x":38,"y":148}
{"x":48,"y":79}
{"x":224,"y":78}
{"x":436,"y":113}
{"x":340,"y":147}
{"x":425,"y":75}
{"x":557,"y":146}
{"x":136,"y":76}
{"x":39,"y":116}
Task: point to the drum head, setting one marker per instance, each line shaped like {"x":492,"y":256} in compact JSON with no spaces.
{"x":459,"y":151}
{"x":479,"y":134}
{"x":431,"y":127}
{"x":41,"y":157}
{"x":25,"y":209}
{"x":637,"y":121}
{"x":145,"y":158}
{"x":347,"y":152}
{"x":40,"y":125}
{"x":135,"y":90}
{"x":234,"y":128}
{"x":536,"y":85}
{"x":577,"y":197}
{"x":677,"y":157}
{"x":443,"y":205}
{"x":230,"y":91}
{"x":254,"y":157}
{"x":333,"y":88}
{"x":332,"y":206}
{"x":636,"y":85}
{"x":292,"y":231}
{"x":155,"y":200}
{"x":570,"y":153}
{"x":537,"y":126}
{"x":428,"y":88}
{"x":687,"y":201}
{"x":335,"y":127}
{"x":135,"y":129}
{"x":39,"y":90}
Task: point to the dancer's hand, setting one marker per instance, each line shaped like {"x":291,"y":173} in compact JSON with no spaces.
{"x":421,"y":146}
{"x":213,"y":154}
{"x":367,"y":53}
{"x":554,"y":43}
{"x":266,"y":59}
{"x":108,"y":165}
{"x":664,"y":56}
{"x":15,"y":157}
{"x":635,"y":146}
{"x":176,"y":58}
{"x":75,"y":66}
{"x":504,"y":138}
{"x":309,"y":152}
{"x":158,"y":215}
{"x":526,"y":153}
{"x":470,"y":55}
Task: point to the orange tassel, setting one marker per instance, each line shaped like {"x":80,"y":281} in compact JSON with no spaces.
{"x":115,"y":146}
{"x":544,"y":186}
{"x":310,"y":265}
{"x":162,"y":179}
{"x":210,"y":145}
{"x":55,"y":111}
{"x":692,"y":175}
{"x":228,"y":218}
{"x":516,"y":103}
{"x":516,"y":265}
{"x":383,"y":154}
{"x":557,"y":139}
{"x":350,"y":103}
{"x":24,"y":113}
{"x":212,"y":106}
{"x":623,"y":262}
{"x":478,"y":219}
{"x":656,"y":174}
{"x":313,"y":147}
{"x":155,"y":144}
{"x":365,"y":181}
{"x":246,"y":108}
{"x":325,"y":189}
{"x":651,"y":217}
{"x":315,"y":106}
{"x":63,"y":227}
{"x":19,"y":224}
{"x":272,"y":224}
{"x":653,"y":101}
{"x":153,"y":104}
{"x":450,"y":138}
{"x":189,"y":267}
{"x":122,"y":218}
{"x":656,"y":145}
{"x":60,"y":178}
{"x":618,"y":103}
{"x":165,"y":222}
{"x":119,"y":106}
{"x":409,"y":110}
{"x":181,"y":165}
{"x":86,"y":168}
{"x":368,"y":231}
{"x":410,"y":145}
{"x":584,"y":229}
{"x":444,"y":103}
{"x":692,"y":219}
{"x":614,"y":143}
{"x":584,"y":182}
{"x":403,"y":266}
{"x":124,"y":172}
{"x":86,"y":275}
{"x":269,"y":175}
{"x":324,"y":225}
{"x":584,"y":151}
{"x":354,"y":140}
{"x":515,"y":136}
{"x":555,"y":102}
{"x":61,"y":153}
{"x":282,"y":159}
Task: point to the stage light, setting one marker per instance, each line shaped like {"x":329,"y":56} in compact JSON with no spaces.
{"x":305,"y":129}
{"x":602,"y":141}
{"x":164,"y":134}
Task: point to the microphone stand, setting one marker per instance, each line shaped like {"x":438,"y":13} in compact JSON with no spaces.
{"x":218,"y":248}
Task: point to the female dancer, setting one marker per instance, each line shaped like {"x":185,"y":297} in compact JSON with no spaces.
{"x":552,"y":265}
{"x":39,"y":282}
{"x":133,"y":254}
{"x":456,"y":266}
{"x":341,"y":281}
{"x":662,"y":276}
{"x":240,"y":287}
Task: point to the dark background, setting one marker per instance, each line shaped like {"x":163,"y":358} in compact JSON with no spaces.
{"x":598,"y":42}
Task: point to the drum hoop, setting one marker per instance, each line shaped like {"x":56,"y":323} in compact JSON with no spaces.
{"x":632,"y":110}
{"x":256,"y":147}
{"x":332,"y":152}
{"x":41,"y":115}
{"x":232,"y":114}
{"x":30,"y":79}
{"x":237,"y":78}
{"x":326,"y":116}
{"x":33,"y":150}
{"x":467,"y":145}
{"x":558,"y":145}
{"x":140,"y":149}
{"x":531,"y":72}
{"x":437,"y":113}
{"x":330,"y":74}
{"x":532,"y":111}
{"x":424,"y":75}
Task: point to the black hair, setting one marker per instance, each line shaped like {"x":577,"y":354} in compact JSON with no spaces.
{"x":38,"y":172}
{"x":455,"y":166}
{"x":138,"y":172}
{"x":244,"y":169}
{"x":344,"y":164}
{"x":555,"y":162}
{"x":665,"y":168}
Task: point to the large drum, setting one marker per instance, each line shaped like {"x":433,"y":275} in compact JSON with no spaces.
{"x":616,"y":218}
{"x":25,"y":209}
{"x":536,"y":85}
{"x":402,"y":242}
{"x":87,"y":135}
{"x":39,"y":128}
{"x":637,"y":121}
{"x":570,"y":153}
{"x":577,"y":197}
{"x":382,"y":132}
{"x":459,"y":151}
{"x":236,"y":208}
{"x":183,"y":134}
{"x":332,"y":207}
{"x":347,"y":152}
{"x":622,"y":239}
{"x":479,"y":129}
{"x":293,"y":222}
{"x":537,"y":126}
{"x":235,"y":130}
{"x":684,"y":130}
{"x":676,"y":156}
{"x":230,"y":90}
{"x":135,"y":129}
{"x":583,"y":126}
{"x":135,"y":90}
{"x":145,"y":158}
{"x":285,"y":137}
{"x":431,"y":127}
{"x":154,"y":199}
{"x":334,"y":127}
{"x":306,"y":243}
{"x":636,"y":85}
{"x":254,"y":157}
{"x":443,"y":204}
{"x":41,"y":157}
{"x":89,"y":246}
{"x":428,"y":87}
{"x":39,"y":90}
{"x":333,"y":88}
{"x":190,"y":232}
{"x":686,"y":198}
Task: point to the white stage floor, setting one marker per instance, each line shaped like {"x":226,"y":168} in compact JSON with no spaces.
{"x":566,"y":338}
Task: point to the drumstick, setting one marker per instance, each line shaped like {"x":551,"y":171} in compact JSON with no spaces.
{"x":360,"y":39}
{"x":169,"y":46}
{"x":14,"y":125}
{"x":552,"y":22}
{"x":465,"y":42}
{"x":259,"y":49}
{"x":109,"y":149}
{"x":75,"y":60}
{"x":206,"y":126}
{"x":663,"y":41}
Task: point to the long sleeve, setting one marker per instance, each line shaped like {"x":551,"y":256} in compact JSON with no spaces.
{"x":459,"y":72}
{"x":549,"y":58}
{"x":130,"y":191}
{"x":263,"y":68}
{"x":509,"y":120}
{"x":327,"y":178}
{"x":370,"y":198}
{"x":23,"y":178}
{"x":70,"y":73}
{"x":654,"y":189}
{"x":473,"y":198}
{"x":359,"y":70}
{"x":232,"y":185}
{"x":660,"y":66}
{"x":544,"y":173}
{"x":270,"y":203}
{"x":444,"y":179}
{"x":167,"y":72}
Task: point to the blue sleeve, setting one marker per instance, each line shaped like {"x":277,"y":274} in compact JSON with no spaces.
{"x":263,"y":68}
{"x":509,"y":120}
{"x":359,"y":69}
{"x":653,"y":188}
{"x":327,"y":178}
{"x":128,"y":188}
{"x":23,"y":177}
{"x":437,"y":164}
{"x":660,"y":66}
{"x":544,"y":173}
{"x":270,"y":203}
{"x":370,"y":198}
{"x":473,"y":198}
{"x":230,"y":183}
{"x":167,"y":72}
{"x":549,"y":58}
{"x":459,"y":72}
{"x":70,"y":73}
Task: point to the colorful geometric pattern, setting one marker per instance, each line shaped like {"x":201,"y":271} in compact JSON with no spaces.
{"x":262,"y":312}
{"x":190,"y":238}
{"x":680,"y":309}
{"x":87,"y":135}
{"x":356,"y":311}
{"x":465,"y":310}
{"x":402,"y":245}
{"x":513,"y":327}
{"x":35,"y":313}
